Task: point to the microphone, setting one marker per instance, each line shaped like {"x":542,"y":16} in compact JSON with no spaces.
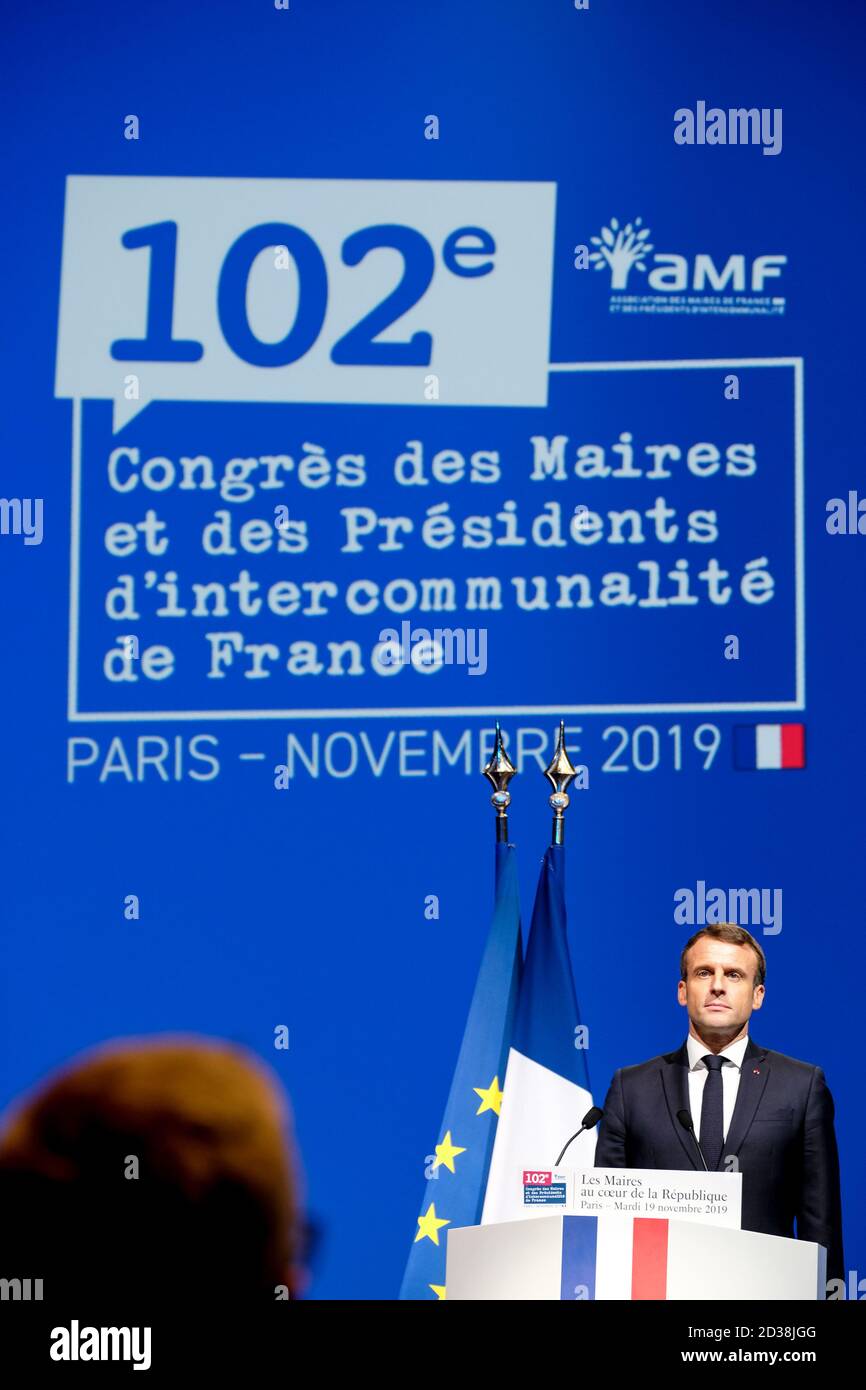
{"x":688,"y":1123}
{"x":590,"y":1119}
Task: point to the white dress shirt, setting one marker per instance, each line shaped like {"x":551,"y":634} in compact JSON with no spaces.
{"x":732,"y":1059}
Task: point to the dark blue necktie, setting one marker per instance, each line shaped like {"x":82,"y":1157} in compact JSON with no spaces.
{"x":712,"y":1138}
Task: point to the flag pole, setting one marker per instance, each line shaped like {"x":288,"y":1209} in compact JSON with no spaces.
{"x":560,"y":773}
{"x":499,"y":772}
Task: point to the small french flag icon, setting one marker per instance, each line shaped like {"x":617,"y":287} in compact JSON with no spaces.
{"x":769,"y":747}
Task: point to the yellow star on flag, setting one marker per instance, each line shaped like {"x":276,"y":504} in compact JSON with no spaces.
{"x":491,"y":1096}
{"x":429,"y":1224}
{"x":439,"y":1290}
{"x":446,"y":1153}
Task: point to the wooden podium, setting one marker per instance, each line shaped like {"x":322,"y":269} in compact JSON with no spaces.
{"x":636,"y":1258}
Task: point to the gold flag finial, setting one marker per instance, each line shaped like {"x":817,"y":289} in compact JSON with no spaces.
{"x":560,"y":773}
{"x":499,"y":772}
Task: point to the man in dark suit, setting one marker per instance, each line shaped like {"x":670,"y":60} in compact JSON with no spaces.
{"x":758,"y":1112}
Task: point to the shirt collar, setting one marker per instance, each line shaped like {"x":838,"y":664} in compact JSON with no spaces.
{"x":733,"y":1053}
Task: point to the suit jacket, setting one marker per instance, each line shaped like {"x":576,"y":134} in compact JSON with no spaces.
{"x":781,"y":1131}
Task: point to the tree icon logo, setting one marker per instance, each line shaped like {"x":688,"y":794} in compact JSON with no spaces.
{"x":621,"y":248}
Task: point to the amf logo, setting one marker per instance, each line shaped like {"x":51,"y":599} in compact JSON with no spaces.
{"x":702,"y":282}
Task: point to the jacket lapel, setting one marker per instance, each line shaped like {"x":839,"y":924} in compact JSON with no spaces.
{"x":753,"y":1079}
{"x":675,"y":1074}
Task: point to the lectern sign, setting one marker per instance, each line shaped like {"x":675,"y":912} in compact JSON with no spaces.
{"x":714,"y":1199}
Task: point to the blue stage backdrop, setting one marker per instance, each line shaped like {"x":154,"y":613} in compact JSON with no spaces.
{"x":374,"y":371}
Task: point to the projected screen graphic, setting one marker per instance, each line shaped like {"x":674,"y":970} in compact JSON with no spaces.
{"x":368,"y":400}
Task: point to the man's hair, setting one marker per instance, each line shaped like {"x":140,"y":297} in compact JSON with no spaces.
{"x":737,"y":936}
{"x":159,"y":1167}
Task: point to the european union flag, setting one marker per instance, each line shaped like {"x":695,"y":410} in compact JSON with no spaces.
{"x":457,"y":1175}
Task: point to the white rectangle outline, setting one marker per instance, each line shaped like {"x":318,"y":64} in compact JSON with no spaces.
{"x":76,"y":716}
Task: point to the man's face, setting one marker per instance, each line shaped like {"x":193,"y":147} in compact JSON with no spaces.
{"x":719,"y":990}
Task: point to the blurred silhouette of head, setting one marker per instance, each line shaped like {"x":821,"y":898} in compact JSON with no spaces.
{"x":150,"y":1170}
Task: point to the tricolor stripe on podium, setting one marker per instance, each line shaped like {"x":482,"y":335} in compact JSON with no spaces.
{"x":769,"y":747}
{"x":619,"y":1259}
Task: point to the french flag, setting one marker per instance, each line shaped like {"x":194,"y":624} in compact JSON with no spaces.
{"x":546,"y":1091}
{"x":769,"y":747}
